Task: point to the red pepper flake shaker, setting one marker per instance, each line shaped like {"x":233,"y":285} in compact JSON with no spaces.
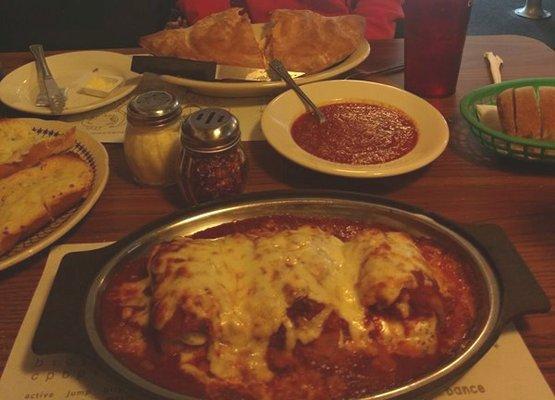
{"x":213,"y":165}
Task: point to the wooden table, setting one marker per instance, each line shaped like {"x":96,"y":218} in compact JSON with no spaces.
{"x":465,"y":184}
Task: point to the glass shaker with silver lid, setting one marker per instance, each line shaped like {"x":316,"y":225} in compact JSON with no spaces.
{"x":213,"y":163}
{"x":151,"y":143}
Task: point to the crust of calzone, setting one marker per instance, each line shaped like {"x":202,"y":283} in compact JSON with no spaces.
{"x":308,"y":42}
{"x":225,"y":38}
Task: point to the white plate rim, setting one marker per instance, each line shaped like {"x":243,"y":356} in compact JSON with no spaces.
{"x":32,"y":109}
{"x":98,"y":152}
{"x":242,"y":89}
{"x":317,"y":164}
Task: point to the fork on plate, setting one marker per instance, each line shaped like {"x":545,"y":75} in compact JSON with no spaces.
{"x":42,"y":97}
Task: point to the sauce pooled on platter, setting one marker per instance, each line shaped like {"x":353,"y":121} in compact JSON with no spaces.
{"x":356,"y":133}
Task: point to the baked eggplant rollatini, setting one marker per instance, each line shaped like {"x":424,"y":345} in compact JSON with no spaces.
{"x":288,"y":308}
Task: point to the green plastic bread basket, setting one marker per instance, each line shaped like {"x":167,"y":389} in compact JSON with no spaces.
{"x":505,"y":145}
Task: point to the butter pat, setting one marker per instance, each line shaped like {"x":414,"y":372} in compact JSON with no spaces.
{"x":101,"y":85}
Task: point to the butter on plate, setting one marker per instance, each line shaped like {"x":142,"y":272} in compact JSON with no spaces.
{"x":100,"y":85}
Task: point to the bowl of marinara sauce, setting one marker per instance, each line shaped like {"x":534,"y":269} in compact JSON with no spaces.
{"x":371,"y":130}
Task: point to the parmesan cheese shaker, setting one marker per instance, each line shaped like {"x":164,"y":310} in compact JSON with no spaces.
{"x":151,"y":143}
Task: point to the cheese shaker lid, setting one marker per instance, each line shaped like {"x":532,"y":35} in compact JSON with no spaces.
{"x":154,"y":108}
{"x":210,"y":130}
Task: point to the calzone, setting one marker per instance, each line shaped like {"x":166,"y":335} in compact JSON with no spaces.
{"x":225,"y":38}
{"x":309,"y":42}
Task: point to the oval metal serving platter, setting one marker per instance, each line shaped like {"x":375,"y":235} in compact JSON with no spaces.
{"x":414,"y":223}
{"x":504,"y":285}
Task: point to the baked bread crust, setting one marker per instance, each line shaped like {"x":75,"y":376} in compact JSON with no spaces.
{"x":527,"y":113}
{"x":308,"y":42}
{"x":547,"y":107}
{"x":28,"y":151}
{"x":506,"y":110}
{"x":32,"y":197}
{"x":225,"y":38}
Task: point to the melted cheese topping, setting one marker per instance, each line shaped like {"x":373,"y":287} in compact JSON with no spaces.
{"x":413,"y":338}
{"x":244,"y":285}
{"x":135,"y":304}
{"x":389,"y":260}
{"x":17,"y":138}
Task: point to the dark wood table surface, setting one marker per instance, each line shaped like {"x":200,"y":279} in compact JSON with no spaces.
{"x":465,"y":184}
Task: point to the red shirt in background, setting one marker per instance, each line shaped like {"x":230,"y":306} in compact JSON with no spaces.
{"x":380,"y":14}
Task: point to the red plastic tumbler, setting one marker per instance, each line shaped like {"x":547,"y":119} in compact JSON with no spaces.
{"x":435,"y":31}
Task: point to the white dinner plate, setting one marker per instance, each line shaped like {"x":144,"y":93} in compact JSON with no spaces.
{"x":92,"y":152}
{"x":255,"y":89}
{"x":281,"y":113}
{"x":70,"y":70}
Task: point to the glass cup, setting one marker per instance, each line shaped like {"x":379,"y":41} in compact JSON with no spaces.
{"x":435,"y":31}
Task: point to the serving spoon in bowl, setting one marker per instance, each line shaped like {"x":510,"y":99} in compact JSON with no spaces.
{"x":280,"y":70}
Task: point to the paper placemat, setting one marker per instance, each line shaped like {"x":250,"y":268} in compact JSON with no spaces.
{"x":107,"y":124}
{"x":506,"y":372}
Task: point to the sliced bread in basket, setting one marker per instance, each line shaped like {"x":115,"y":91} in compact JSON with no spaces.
{"x":527,"y":112}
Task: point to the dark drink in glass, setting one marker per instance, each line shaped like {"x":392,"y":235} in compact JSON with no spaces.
{"x":435,"y":31}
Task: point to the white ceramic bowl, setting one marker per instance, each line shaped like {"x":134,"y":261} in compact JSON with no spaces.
{"x":433,"y":132}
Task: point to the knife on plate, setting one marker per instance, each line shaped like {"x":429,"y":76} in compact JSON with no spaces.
{"x":201,"y":70}
{"x":55,"y":95}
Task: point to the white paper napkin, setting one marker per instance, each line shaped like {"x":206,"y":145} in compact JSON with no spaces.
{"x":489,"y":116}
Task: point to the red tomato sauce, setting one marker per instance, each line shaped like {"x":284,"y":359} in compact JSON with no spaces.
{"x":321,"y":369}
{"x":356,"y":133}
